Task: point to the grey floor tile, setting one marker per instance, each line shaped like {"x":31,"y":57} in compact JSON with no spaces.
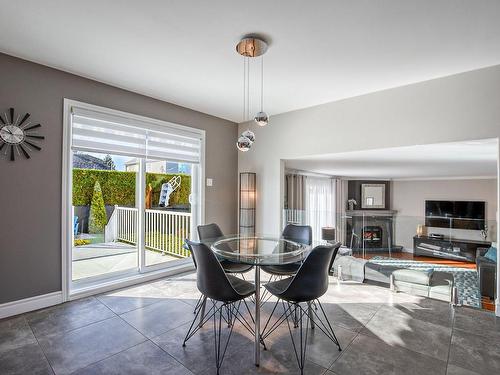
{"x":70,"y":351}
{"x":367,"y":355}
{"x":352,"y":316}
{"x":455,"y":370}
{"x":183,"y":288}
{"x":475,"y":352}
{"x":398,"y":327}
{"x":15,"y":332}
{"x":143,"y":359}
{"x":320,"y":349}
{"x":161,"y":317}
{"x":124,"y":300}
{"x":199,"y":354}
{"x":24,"y":360}
{"x":428,"y":310}
{"x":480,"y":322}
{"x":276,"y":361}
{"x":68,"y":316}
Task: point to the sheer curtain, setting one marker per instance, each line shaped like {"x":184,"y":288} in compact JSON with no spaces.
{"x":319,"y":204}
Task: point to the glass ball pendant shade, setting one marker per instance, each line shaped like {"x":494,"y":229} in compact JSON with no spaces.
{"x":261,"y":118}
{"x":249,"y":134}
{"x":244,"y":144}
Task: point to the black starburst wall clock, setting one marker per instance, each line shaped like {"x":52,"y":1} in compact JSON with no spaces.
{"x":18,"y":135}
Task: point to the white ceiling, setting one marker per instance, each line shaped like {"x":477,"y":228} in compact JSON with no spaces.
{"x":183,"y":51}
{"x":441,"y":160}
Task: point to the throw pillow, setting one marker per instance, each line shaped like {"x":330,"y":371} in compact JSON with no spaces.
{"x":491,"y":254}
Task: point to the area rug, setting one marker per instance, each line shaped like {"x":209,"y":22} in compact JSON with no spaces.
{"x":466,"y":280}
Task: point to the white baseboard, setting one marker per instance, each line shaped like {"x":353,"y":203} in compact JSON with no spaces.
{"x":29,"y":304}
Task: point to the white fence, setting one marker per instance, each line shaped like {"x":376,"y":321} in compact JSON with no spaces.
{"x":126,"y":224}
{"x":165,"y":231}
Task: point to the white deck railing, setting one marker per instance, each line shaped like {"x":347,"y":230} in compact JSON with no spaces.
{"x":126,"y":224}
{"x":165,"y":231}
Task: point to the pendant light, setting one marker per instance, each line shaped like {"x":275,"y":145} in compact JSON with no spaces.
{"x":250,"y":48}
{"x":261,"y":118}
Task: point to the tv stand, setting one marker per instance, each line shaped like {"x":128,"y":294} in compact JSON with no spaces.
{"x":447,"y":248}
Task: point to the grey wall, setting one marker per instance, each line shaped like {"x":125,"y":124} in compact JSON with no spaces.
{"x":408,"y":198}
{"x":30,"y":190}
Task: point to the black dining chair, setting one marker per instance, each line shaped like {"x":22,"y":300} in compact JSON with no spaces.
{"x":210,"y":233}
{"x":298,"y":233}
{"x":308,"y":284}
{"x":226,"y":292}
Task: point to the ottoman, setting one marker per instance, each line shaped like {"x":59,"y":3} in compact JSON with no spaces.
{"x":426,"y":283}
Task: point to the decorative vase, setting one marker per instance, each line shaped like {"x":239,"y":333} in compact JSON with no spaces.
{"x":421,"y":230}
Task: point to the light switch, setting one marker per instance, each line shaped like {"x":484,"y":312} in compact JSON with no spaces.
{"x":210,"y":182}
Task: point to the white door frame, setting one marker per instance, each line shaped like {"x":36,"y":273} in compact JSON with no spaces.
{"x":127,"y":278}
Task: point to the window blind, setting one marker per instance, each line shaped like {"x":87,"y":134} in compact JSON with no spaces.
{"x":111,"y":133}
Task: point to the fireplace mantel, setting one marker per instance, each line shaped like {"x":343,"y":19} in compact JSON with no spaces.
{"x":371,"y":212}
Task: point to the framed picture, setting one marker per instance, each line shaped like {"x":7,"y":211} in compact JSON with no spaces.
{"x":373,"y":196}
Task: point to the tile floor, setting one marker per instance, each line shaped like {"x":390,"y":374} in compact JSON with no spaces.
{"x":139,"y":330}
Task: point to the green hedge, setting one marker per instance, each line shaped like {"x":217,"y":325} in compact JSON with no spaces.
{"x":118,"y":188}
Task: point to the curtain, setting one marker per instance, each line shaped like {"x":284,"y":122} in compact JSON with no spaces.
{"x":340,"y":208}
{"x":294,"y":200}
{"x":319,"y":204}
{"x":295,"y":191}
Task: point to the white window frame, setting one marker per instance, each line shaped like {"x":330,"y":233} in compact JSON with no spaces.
{"x":125,"y":278}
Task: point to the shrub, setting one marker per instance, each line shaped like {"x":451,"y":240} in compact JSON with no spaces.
{"x":97,"y":215}
{"x":81,"y":242}
{"x":118,"y":188}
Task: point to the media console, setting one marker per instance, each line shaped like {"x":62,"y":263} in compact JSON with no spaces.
{"x":447,"y":248}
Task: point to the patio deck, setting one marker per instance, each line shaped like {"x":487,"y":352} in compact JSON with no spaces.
{"x":99,"y":259}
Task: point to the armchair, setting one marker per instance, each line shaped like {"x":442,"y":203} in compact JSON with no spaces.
{"x":486,"y":269}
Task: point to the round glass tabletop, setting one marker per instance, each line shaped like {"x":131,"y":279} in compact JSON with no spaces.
{"x":260,"y":251}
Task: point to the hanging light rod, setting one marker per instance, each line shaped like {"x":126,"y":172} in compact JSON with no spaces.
{"x":251,"y":47}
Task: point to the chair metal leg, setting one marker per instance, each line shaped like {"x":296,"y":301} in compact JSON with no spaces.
{"x":203,"y":318}
{"x":309,"y":313}
{"x":220,"y":351}
{"x":326,"y":329}
{"x":202,"y":309}
{"x":300,"y":352}
{"x":198,"y":304}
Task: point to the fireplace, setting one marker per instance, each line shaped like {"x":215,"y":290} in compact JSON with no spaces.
{"x":372,"y":236}
{"x":371,"y":230}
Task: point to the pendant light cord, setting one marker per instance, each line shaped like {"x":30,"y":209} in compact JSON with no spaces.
{"x":244,"y":88}
{"x":262,"y":84}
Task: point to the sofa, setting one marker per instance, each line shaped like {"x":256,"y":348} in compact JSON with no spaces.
{"x":486,"y":269}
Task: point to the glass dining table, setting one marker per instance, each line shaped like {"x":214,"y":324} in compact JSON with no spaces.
{"x":259,"y":251}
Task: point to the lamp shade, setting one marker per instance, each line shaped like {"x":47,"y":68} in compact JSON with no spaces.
{"x":328,"y":233}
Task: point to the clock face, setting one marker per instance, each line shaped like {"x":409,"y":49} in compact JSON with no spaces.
{"x":12,"y":134}
{"x":18,"y":136}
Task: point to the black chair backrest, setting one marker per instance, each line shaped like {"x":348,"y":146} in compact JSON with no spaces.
{"x":336,"y":248}
{"x":209,"y":232}
{"x":298,"y":233}
{"x":311,"y":280}
{"x":186,"y":247}
{"x":211,"y":279}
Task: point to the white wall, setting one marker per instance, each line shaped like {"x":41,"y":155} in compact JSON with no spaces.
{"x":408,"y":199}
{"x":456,"y":108}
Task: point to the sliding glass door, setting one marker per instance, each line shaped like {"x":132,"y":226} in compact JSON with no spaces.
{"x":135,"y":193}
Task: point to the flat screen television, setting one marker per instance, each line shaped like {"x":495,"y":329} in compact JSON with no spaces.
{"x":455,"y":214}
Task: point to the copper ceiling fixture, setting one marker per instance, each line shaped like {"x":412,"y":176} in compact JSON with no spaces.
{"x":249,"y":48}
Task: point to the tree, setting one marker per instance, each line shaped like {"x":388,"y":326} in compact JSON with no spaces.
{"x":97,"y":216}
{"x":108,"y":160}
